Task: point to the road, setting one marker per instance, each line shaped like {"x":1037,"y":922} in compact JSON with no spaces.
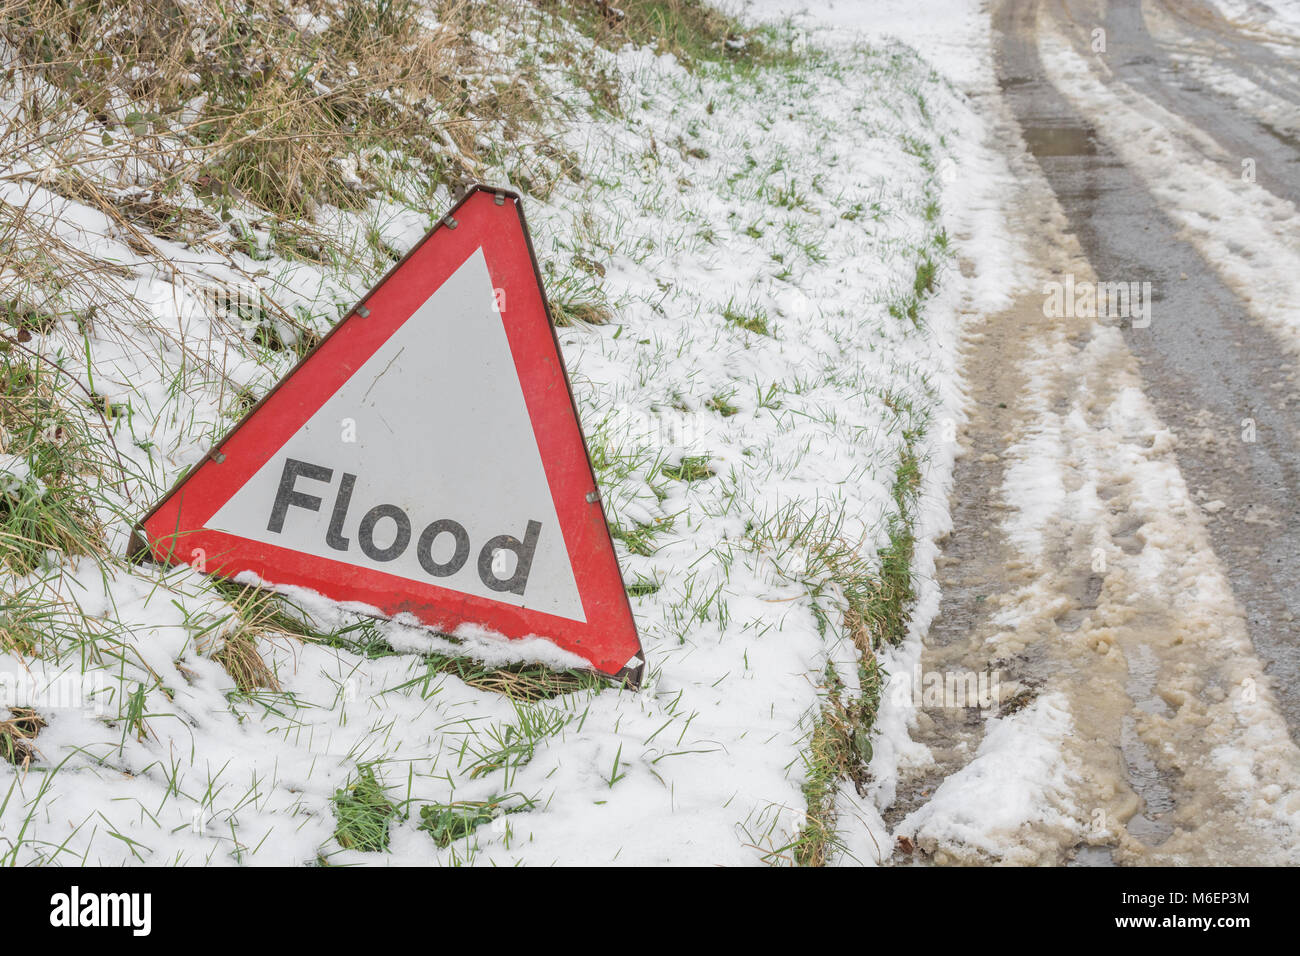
{"x":1126,"y":542}
{"x":1206,"y":364}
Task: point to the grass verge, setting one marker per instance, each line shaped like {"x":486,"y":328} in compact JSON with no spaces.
{"x":877,"y":612}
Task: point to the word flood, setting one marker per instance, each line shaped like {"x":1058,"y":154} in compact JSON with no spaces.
{"x":490,"y":572}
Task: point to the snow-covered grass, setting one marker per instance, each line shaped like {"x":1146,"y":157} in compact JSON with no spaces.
{"x":743,"y":252}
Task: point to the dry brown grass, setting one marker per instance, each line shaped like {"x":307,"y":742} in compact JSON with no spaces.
{"x":242,"y":661}
{"x":185,"y":119}
{"x":256,"y":616}
{"x":527,"y":682}
{"x":249,"y":108}
{"x":193,"y":121}
{"x":567,"y":313}
{"x":17,"y":734}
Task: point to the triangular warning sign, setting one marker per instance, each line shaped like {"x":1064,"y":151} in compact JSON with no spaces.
{"x":424,"y":460}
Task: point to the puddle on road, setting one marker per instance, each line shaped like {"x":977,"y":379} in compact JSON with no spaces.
{"x":1093,"y":856}
{"x":1060,"y":140}
{"x":1149,"y":824}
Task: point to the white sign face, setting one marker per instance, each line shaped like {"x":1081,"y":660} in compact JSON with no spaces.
{"x":423,"y":465}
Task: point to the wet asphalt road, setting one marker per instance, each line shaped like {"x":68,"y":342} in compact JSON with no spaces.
{"x":1206,"y":363}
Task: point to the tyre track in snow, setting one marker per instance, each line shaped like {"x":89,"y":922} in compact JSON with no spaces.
{"x":1079,"y":565}
{"x":1206,"y":365}
{"x":1199,"y":26}
{"x":1136,"y":58}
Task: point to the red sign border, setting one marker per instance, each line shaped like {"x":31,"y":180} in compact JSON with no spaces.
{"x":582,"y":525}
